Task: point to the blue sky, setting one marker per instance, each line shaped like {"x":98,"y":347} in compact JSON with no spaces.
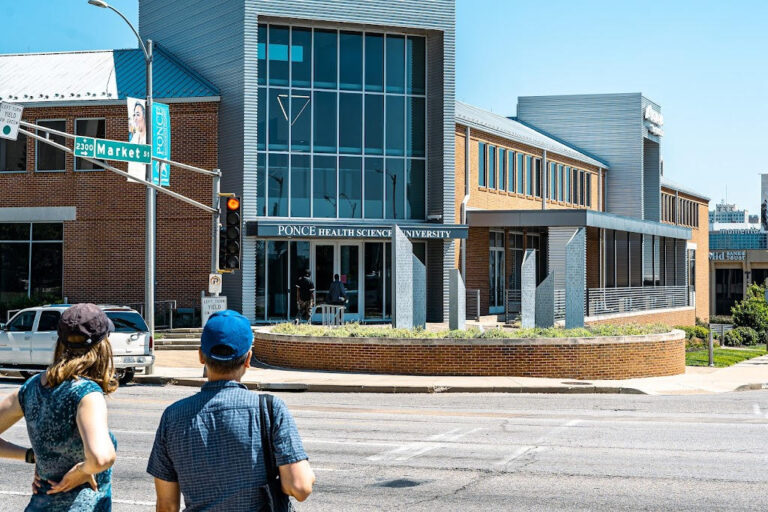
{"x":703,"y":61}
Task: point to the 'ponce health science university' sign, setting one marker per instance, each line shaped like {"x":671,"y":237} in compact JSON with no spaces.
{"x":299,"y":230}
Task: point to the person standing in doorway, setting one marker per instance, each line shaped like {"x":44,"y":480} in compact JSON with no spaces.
{"x":305,"y":296}
{"x":336,"y":293}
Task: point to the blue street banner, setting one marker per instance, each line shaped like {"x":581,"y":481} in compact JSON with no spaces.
{"x":161,"y":143}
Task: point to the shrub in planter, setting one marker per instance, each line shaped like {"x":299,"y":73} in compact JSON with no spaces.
{"x":741,"y":336}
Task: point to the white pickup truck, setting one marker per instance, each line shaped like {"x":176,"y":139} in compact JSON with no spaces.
{"x":28,"y":340}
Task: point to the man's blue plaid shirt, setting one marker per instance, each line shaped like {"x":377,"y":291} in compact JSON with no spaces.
{"x":210,"y":443}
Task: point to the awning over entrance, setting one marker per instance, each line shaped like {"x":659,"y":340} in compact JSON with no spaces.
{"x":361,"y":230}
{"x":573,"y":218}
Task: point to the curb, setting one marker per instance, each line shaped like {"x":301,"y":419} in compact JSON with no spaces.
{"x":361,"y":388}
{"x":753,"y":387}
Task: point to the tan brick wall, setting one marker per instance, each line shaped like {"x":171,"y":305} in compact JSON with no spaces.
{"x":682,"y":316}
{"x":598,"y":360}
{"x":492,"y":199}
{"x":103,"y":249}
{"x":699,"y":236}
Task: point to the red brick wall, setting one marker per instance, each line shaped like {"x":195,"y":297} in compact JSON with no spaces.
{"x":103,"y":256}
{"x":563,"y":360}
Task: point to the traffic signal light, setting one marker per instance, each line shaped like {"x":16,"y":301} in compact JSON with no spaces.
{"x":231,"y":234}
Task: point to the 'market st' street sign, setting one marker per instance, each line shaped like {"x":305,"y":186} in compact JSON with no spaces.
{"x":104,"y":149}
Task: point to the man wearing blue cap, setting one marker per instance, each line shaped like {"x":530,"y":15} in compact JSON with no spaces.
{"x":210,"y":446}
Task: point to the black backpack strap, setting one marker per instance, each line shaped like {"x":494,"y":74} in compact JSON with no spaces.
{"x":265,"y":411}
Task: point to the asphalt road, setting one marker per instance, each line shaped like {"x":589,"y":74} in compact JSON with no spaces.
{"x":459,"y":452}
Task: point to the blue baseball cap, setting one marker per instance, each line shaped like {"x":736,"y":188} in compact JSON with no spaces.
{"x":226,"y":329}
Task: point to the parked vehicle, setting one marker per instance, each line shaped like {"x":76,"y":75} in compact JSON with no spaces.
{"x":28,"y":340}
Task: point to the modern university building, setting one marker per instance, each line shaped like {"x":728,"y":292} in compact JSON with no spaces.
{"x":336,"y":123}
{"x":582,"y":165}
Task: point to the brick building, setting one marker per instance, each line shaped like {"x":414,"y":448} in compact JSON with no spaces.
{"x":69,"y":230}
{"x":566,"y":163}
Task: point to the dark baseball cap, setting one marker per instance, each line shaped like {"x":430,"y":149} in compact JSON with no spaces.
{"x":84,"y":325}
{"x":226,"y":329}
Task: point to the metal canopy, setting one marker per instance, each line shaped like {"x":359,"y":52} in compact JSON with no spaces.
{"x":573,"y":218}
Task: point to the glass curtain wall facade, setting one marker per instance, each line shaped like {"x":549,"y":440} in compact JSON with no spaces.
{"x":342,"y":124}
{"x":634,"y":260}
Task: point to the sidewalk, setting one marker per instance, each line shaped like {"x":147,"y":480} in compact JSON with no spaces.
{"x":182,"y":367}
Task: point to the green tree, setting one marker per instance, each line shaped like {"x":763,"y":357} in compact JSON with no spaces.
{"x":752,"y":311}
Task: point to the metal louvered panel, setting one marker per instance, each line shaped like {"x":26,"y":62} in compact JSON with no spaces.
{"x":606,"y":126}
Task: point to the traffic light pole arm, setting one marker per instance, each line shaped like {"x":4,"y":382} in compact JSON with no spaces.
{"x":118,"y":171}
{"x":192,"y":168}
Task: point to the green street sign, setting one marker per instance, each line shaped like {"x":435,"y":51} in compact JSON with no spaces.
{"x":105,"y":149}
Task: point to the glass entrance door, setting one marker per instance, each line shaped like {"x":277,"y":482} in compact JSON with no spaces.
{"x":496,"y":273}
{"x":331,"y":258}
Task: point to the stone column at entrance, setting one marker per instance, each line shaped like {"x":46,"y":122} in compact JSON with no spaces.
{"x":528,"y":289}
{"x":458,"y":306}
{"x":575,"y":279}
{"x":402,"y":280}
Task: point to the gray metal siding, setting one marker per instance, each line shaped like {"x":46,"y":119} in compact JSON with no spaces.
{"x":608,"y":126}
{"x":558,"y":238}
{"x":652,"y":180}
{"x":208,"y":37}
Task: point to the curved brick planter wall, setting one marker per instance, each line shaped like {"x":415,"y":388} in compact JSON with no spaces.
{"x":562,"y":358}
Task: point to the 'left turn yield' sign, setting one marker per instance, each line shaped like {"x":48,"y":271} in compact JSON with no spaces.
{"x":10,"y":115}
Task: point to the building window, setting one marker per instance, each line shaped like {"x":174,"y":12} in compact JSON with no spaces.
{"x":552,"y":184}
{"x":13,"y":154}
{"x":47,"y":157}
{"x":95,"y":128}
{"x":520,"y":173}
{"x":538,"y":176}
{"x":582,"y":198}
{"x":491,"y":166}
{"x":575,"y":183}
{"x":328,"y":94}
{"x":529,"y":175}
{"x":567,"y":171}
{"x":30,"y":261}
{"x":481,"y":157}
{"x":511,"y":171}
{"x":560,"y":182}
{"x":589,"y":189}
{"x":502,"y":169}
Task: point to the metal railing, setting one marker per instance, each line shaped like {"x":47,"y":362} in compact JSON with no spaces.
{"x":603,"y":301}
{"x":167,"y":308}
{"x":559,"y":304}
{"x":512,"y":304}
{"x":472,"y":305}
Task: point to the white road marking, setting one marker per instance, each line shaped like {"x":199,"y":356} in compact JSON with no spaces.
{"x":122,"y":502}
{"x":411,"y":450}
{"x":535,"y":447}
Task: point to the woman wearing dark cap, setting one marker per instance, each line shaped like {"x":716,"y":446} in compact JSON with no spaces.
{"x":66,"y":417}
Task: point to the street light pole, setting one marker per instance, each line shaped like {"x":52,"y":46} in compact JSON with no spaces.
{"x":149,"y":235}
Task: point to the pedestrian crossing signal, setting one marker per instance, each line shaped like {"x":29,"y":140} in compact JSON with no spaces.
{"x":231,"y":235}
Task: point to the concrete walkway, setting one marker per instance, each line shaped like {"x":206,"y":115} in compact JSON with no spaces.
{"x":182,"y":367}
